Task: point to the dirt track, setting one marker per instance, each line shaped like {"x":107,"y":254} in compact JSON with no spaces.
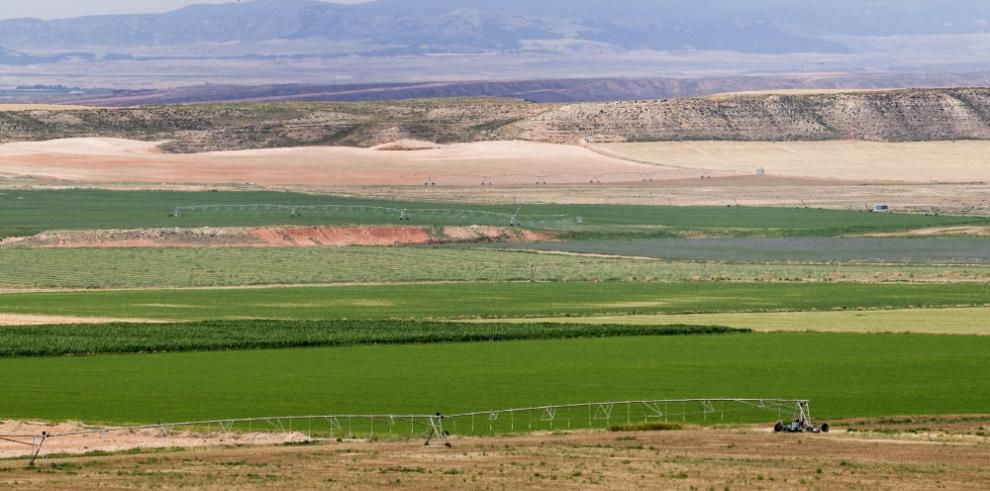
{"x":690,"y":459}
{"x":47,"y":320}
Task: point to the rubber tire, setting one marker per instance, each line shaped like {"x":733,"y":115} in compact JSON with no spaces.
{"x":825,"y":427}
{"x":777,"y":428}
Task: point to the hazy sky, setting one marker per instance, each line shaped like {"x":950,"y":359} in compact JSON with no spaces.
{"x":51,"y":9}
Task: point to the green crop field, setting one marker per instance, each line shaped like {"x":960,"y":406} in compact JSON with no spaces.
{"x":364,"y":341}
{"x":159,"y":268}
{"x":212,"y":336}
{"x":845,"y":375}
{"x":25,"y":212}
{"x":963,"y":250}
{"x":491,"y":300}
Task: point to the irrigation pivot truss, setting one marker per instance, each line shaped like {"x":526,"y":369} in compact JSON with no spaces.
{"x":538,"y":179}
{"x":437,"y":427}
{"x":431,"y":216}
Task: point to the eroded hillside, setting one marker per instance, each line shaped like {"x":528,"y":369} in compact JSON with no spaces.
{"x":200,"y":128}
{"x":897,"y":115}
{"x":900,"y":115}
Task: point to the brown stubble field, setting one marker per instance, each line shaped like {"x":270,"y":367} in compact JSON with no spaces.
{"x":876,"y":455}
{"x":837,"y":175}
{"x":967,"y":199}
{"x":102,"y":160}
{"x":864,"y":161}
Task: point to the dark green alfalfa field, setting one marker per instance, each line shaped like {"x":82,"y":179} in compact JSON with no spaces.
{"x":250,"y":367}
{"x":844,"y":375}
{"x":491,"y":300}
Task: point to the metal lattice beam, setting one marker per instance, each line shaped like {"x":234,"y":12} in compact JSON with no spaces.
{"x":435,"y":425}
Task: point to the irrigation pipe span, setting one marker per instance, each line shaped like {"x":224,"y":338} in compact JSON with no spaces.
{"x":435,"y":428}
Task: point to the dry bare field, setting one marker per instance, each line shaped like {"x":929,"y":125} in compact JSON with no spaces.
{"x":102,"y":160}
{"x":77,"y":439}
{"x":950,"y":454}
{"x":965,"y":199}
{"x":838,"y":175}
{"x":960,"y":161}
{"x":504,"y":163}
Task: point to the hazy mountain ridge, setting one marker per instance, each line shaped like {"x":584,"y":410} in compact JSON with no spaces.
{"x":410,"y":41}
{"x":767,"y":26}
{"x":813,"y":17}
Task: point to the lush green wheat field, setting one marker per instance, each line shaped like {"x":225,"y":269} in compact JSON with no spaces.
{"x":57,"y":340}
{"x":844,"y":375}
{"x":490,"y":300}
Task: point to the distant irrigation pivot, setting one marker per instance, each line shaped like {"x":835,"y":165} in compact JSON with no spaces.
{"x":436,"y":428}
{"x":380,"y":214}
{"x":541,"y":179}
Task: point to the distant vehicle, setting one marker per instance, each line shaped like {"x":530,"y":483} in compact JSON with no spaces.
{"x":801,"y":423}
{"x":881,"y":208}
{"x":800,"y":426}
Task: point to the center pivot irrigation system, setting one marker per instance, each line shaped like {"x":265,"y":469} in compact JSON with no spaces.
{"x":436,"y":428}
{"x":546,"y":179}
{"x":430,"y":216}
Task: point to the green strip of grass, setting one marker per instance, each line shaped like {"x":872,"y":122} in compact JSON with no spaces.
{"x":213,"y":336}
{"x":915,"y":250}
{"x":491,"y":300}
{"x":844,"y":375}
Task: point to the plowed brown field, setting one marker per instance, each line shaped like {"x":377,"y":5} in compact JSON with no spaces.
{"x":963,"y":161}
{"x":917,"y":177}
{"x":103,"y":160}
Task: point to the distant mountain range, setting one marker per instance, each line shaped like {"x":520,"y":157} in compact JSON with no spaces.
{"x":444,"y":26}
{"x":525,"y":39}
